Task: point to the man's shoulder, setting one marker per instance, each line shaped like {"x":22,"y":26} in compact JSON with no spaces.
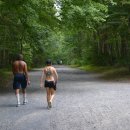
{"x":44,"y":68}
{"x":23,"y":62}
{"x":19,"y":61}
{"x":53,"y":68}
{"x":15,"y":62}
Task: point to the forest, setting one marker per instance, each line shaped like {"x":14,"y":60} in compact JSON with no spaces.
{"x":78,"y":32}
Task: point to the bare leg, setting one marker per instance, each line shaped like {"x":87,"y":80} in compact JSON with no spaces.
{"x":24,"y":96}
{"x":16,"y":91}
{"x":52,"y":94}
{"x":24,"y":91}
{"x":17,"y":97}
{"x":48,"y":94}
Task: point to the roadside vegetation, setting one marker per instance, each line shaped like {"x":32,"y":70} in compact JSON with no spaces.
{"x":108,"y":73}
{"x":5,"y":77}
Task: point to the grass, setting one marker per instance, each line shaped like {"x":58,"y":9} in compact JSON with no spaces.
{"x":5,"y":77}
{"x":108,"y":73}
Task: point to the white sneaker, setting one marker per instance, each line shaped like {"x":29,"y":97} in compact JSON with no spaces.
{"x":25,"y":102}
{"x":18,"y":105}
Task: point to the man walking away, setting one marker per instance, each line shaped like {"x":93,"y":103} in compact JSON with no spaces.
{"x":21,"y":78}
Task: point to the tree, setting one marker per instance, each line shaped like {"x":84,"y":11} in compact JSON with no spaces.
{"x":25,"y":26}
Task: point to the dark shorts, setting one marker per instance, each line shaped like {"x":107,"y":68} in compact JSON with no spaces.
{"x":50,"y":84}
{"x":19,"y":81}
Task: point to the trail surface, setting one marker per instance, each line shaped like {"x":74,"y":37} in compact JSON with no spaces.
{"x":82,"y":102}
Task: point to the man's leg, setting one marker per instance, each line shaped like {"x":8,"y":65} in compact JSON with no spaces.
{"x":16,"y":87}
{"x":17,"y":97}
{"x":48,"y":95}
{"x":24,"y":85}
{"x":24,"y":96}
{"x":52,"y":91}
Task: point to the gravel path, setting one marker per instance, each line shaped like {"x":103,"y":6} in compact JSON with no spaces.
{"x":82,"y":102}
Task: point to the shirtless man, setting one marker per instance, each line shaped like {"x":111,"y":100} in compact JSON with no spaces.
{"x":21,"y":78}
{"x":50,"y":77}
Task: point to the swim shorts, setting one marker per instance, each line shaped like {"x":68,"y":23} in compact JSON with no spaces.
{"x":19,"y":81}
{"x":50,"y":84}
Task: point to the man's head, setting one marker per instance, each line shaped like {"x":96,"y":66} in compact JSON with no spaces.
{"x":48,"y":62}
{"x":19,"y":57}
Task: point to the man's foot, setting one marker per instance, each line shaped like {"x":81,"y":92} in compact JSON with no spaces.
{"x":50,"y":104}
{"x":18,"y":105}
{"x":48,"y":107}
{"x":25,"y":102}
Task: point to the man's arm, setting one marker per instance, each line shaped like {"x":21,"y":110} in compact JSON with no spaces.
{"x":26,"y":74}
{"x":56,"y":75}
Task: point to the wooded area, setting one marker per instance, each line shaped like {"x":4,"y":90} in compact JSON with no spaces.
{"x":79,"y":32}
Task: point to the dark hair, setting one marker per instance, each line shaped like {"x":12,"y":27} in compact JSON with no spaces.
{"x":19,"y":57}
{"x":48,"y":62}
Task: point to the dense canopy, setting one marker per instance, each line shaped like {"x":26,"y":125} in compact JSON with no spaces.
{"x":76,"y":31}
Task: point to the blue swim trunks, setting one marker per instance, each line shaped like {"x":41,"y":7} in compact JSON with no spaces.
{"x":19,"y":81}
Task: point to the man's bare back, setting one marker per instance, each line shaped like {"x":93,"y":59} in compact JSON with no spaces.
{"x":19,"y":67}
{"x":52,"y":71}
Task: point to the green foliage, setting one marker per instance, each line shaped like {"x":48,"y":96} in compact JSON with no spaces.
{"x":24,"y":27}
{"x":79,"y":32}
{"x":98,"y":32}
{"x":83,"y":15}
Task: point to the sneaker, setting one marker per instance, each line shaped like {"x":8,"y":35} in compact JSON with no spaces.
{"x":48,"y":107}
{"x":25,"y":102}
{"x":50,"y":104}
{"x":18,"y":105}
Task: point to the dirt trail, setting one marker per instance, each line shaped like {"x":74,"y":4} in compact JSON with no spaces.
{"x":82,"y":102}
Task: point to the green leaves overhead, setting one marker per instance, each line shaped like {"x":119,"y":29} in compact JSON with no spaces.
{"x":86,"y":14}
{"x":77,"y":31}
{"x":25,"y":24}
